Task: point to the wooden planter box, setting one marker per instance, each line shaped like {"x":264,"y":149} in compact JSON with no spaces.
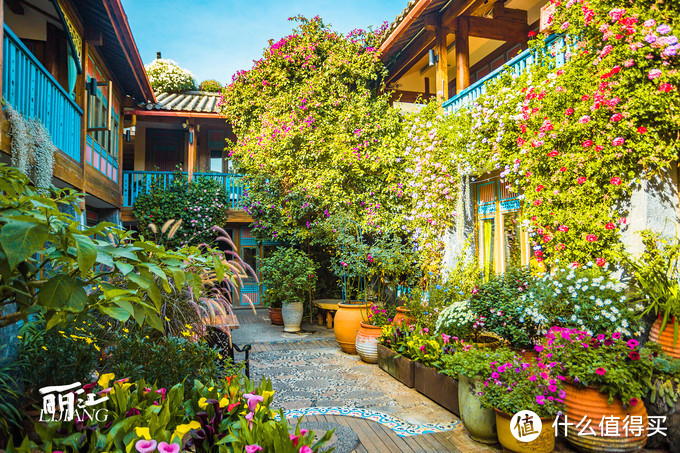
{"x":400,"y":368}
{"x":440,"y":388}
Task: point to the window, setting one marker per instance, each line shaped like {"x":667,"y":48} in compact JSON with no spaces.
{"x":249,"y":255}
{"x":101,"y":148}
{"x":216,"y":161}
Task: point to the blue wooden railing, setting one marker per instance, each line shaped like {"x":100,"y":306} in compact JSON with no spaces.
{"x":30,"y":88}
{"x":555,"y":44}
{"x":136,"y":183}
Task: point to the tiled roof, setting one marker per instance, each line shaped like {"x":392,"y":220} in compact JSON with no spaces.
{"x":192,"y":101}
{"x":398,"y":20}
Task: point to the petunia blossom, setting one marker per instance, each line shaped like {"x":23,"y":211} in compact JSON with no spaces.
{"x":145,"y":446}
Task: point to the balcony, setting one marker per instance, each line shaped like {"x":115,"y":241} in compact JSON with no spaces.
{"x":556,"y":45}
{"x":136,"y":183}
{"x":30,"y":88}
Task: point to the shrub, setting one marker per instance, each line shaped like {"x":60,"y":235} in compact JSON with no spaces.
{"x":210,"y":86}
{"x":288,"y":274}
{"x":167,"y":77}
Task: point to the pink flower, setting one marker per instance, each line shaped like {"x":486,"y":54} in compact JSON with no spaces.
{"x":569,"y":111}
{"x":295,"y":439}
{"x":145,"y":446}
{"x":654,"y":74}
{"x":616,"y":14}
{"x":165,"y":447}
{"x":249,"y":417}
{"x":600,"y":261}
{"x":563,"y":228}
{"x":633,"y":401}
{"x":616,"y":117}
{"x":591,"y":238}
{"x":538,"y":348}
{"x":616,"y":335}
{"x":581,"y":179}
{"x":584,"y":119}
{"x":618,"y":141}
{"x":306,"y":449}
{"x":253,"y":401}
{"x":601,"y":371}
{"x":254,"y":448}
{"x":632,"y":344}
{"x":587,"y":143}
{"x":615,"y":181}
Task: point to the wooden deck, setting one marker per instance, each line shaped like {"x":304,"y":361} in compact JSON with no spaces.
{"x":376,"y":438}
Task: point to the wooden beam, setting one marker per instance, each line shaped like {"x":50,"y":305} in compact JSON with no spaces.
{"x":503,"y":13}
{"x":16,"y":7}
{"x":442,"y":71}
{"x":94,"y":37}
{"x":463,"y":54}
{"x":411,"y":55}
{"x":2,"y":39}
{"x":498,"y":29}
{"x":404,"y":24}
{"x":192,"y":151}
{"x":455,"y":9}
{"x":427,"y":87}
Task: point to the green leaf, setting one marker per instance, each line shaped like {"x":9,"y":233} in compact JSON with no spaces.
{"x":116,"y":312}
{"x":104,"y":258}
{"x":124,"y":268}
{"x":57,"y":291}
{"x":87,"y":252}
{"x":219,"y":269}
{"x":21,"y":239}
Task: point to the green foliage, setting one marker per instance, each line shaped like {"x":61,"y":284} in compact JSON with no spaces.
{"x":10,"y":395}
{"x":475,"y":363}
{"x":515,"y":386}
{"x":199,"y":206}
{"x":289,"y":274}
{"x":316,"y":137}
{"x":665,"y":380}
{"x":166,"y":76}
{"x":501,"y":310}
{"x":617,"y":366}
{"x":458,"y":320}
{"x":210,"y":86}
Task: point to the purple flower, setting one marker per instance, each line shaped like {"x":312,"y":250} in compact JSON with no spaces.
{"x":650,"y":38}
{"x":253,"y":448}
{"x":165,"y":447}
{"x":540,"y":399}
{"x":253,"y":401}
{"x":663,"y":29}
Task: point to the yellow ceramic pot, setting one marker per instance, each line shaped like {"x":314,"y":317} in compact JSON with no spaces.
{"x":544,"y":443}
{"x":347,"y":321}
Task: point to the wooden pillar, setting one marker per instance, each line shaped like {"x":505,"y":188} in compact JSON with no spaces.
{"x":442,"y":72}
{"x":192,"y":151}
{"x":462,"y":53}
{"x":2,"y":39}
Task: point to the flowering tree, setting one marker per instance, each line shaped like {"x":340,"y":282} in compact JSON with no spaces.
{"x":316,"y":139}
{"x":573,"y":141}
{"x":166,"y":76}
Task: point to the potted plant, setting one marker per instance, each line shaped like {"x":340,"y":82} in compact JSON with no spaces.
{"x":289,"y":274}
{"x":515,"y":386}
{"x":274,"y":307}
{"x":472,"y":368}
{"x":606,"y":376}
{"x":663,"y":400}
{"x":391,"y":349}
{"x":367,"y":336}
{"x":657,"y":277}
{"x":459,"y":320}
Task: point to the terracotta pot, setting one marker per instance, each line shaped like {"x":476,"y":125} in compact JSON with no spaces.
{"x":347,"y":322}
{"x":275,"y":316}
{"x":367,"y":342}
{"x":403,"y":316}
{"x":528,"y":355}
{"x":400,"y":368}
{"x":665,"y":338}
{"x":591,"y":403}
{"x":440,"y":388}
{"x":544,"y":443}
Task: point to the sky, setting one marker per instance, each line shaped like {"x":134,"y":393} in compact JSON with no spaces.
{"x":215,"y":38}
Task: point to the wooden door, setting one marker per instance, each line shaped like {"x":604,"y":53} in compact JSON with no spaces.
{"x":164,"y":149}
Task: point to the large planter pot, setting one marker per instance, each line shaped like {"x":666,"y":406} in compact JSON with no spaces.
{"x":275,"y":316}
{"x":544,"y":443}
{"x":403,"y":316}
{"x":367,"y":342}
{"x":347,"y":322}
{"x":665,"y":338}
{"x":400,"y":368}
{"x":440,"y":388}
{"x":664,"y":406}
{"x":292,"y":316}
{"x":589,"y":402}
{"x":479,"y":421}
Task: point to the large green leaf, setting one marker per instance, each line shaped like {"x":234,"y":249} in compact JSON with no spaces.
{"x":20,"y":239}
{"x":87,"y":252}
{"x":57,"y":291}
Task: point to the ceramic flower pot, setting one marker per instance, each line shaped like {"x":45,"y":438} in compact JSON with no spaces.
{"x":275,"y":316}
{"x":544,"y":443}
{"x":400,"y":368}
{"x":665,"y":338}
{"x":403,"y":316}
{"x":292,"y":316}
{"x":367,"y":342}
{"x":591,"y":403}
{"x":479,"y":421}
{"x":347,"y":322}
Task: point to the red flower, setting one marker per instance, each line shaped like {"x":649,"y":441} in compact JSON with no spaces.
{"x":634,"y":355}
{"x":581,"y":179}
{"x":599,"y":148}
{"x":532,"y":34}
{"x":609,"y":226}
{"x":563,"y":228}
{"x":539,"y":188}
{"x":230,"y":407}
{"x":591,"y":238}
{"x":569,"y":111}
{"x":587,"y":143}
{"x":553,"y":153}
{"x":633,"y":401}
{"x":537,"y":202}
{"x":546,"y":238}
{"x":600,"y":261}
{"x":615,"y":181}
{"x":563,"y":169}
{"x":666,"y":87}
{"x":560,"y":246}
{"x":641,"y":130}
{"x":616,"y":117}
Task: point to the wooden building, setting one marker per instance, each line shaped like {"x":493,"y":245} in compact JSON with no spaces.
{"x":52,"y":51}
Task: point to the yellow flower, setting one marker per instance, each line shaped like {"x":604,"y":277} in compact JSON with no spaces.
{"x":105,"y":379}
{"x":266,"y":394}
{"x":143,"y":432}
{"x":20,"y":337}
{"x":97,"y":348}
{"x":224,"y":402}
{"x":45,"y":348}
{"x":181,"y":430}
{"x":124,"y":387}
{"x":167,"y":319}
{"x":203,"y":403}
{"x":188,"y":326}
{"x":125,"y":329}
